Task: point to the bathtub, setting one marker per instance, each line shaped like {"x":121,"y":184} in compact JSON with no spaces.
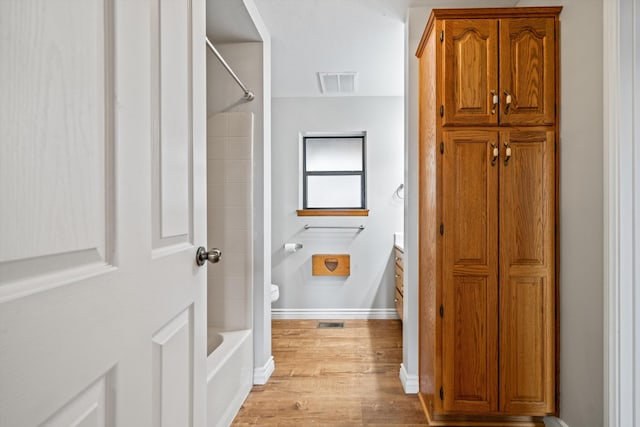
{"x":229,"y":374}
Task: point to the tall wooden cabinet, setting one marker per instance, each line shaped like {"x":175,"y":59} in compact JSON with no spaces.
{"x":488,"y":213}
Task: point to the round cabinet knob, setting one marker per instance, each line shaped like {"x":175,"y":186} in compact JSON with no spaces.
{"x":213,"y":256}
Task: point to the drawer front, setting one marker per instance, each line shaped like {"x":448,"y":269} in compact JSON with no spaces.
{"x":399,"y":255}
{"x":398,"y":301}
{"x":398,"y":278}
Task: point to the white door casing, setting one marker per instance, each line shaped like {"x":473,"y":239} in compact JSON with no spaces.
{"x":621,"y":212}
{"x":102,"y":207}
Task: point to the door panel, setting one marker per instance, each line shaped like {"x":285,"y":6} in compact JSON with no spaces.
{"x":88,"y":409}
{"x":55,"y":175}
{"x":172,"y":71}
{"x":470,"y":219}
{"x":527,"y":71}
{"x":523,"y":299}
{"x":523,"y":213}
{"x":83,"y":295}
{"x":527,"y":273}
{"x":172,"y":366}
{"x":471,"y":71}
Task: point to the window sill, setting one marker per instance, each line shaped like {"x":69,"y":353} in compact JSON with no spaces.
{"x":333,"y":212}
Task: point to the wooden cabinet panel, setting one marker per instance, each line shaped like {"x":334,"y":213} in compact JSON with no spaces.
{"x":527,"y":71}
{"x":471,"y":71}
{"x":470,"y":209}
{"x":469,"y":377}
{"x":469,"y":294}
{"x":525,"y":340}
{"x":527,"y":199}
{"x":527,"y":273}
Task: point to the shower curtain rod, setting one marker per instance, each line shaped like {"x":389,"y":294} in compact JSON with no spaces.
{"x":248,"y":95}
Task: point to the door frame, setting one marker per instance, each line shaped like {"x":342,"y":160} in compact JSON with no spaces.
{"x":621,"y":209}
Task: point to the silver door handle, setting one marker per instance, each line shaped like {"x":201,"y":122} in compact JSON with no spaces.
{"x":213,"y":256}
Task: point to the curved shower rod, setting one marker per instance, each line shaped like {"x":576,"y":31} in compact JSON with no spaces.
{"x":248,"y":95}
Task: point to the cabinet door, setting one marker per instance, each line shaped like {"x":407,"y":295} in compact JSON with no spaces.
{"x":470,"y":71}
{"x":527,"y":71}
{"x":527,"y":274}
{"x":469,"y":285}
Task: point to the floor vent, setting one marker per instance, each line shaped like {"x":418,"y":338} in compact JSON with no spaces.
{"x":330,"y":324}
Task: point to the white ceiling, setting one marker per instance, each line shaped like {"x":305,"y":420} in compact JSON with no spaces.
{"x":311,"y":36}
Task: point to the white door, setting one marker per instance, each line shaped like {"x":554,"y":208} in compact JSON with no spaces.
{"x":102,"y":207}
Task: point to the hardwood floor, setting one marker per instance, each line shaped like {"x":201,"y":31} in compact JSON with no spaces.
{"x":333,"y":377}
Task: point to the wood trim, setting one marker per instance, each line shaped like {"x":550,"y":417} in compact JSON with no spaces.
{"x":557,"y":213}
{"x":425,"y":36}
{"x":333,"y":212}
{"x":497,"y":12}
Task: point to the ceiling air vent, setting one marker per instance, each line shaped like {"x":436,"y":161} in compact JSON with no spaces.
{"x":343,"y":83}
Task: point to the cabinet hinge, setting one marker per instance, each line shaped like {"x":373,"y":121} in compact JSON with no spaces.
{"x":442,"y":35}
{"x":441,"y":311}
{"x":441,"y":393}
{"x":442,"y":229}
{"x":442,"y":111}
{"x":442,"y":148}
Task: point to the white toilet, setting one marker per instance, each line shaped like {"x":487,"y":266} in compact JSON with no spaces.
{"x":275,"y":292}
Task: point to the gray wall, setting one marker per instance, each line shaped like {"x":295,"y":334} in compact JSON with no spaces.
{"x":581,"y":207}
{"x":371,"y":284}
{"x":416,"y":22}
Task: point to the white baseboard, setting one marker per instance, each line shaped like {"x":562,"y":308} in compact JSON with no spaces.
{"x":409,"y":382}
{"x":333,"y":313}
{"x":262,"y":374}
{"x":554,"y":422}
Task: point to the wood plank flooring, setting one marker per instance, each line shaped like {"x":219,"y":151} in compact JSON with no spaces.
{"x":333,"y":377}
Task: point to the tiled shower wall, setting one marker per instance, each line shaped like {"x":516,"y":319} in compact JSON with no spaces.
{"x":229,"y":221}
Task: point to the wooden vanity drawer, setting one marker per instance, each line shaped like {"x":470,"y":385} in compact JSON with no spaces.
{"x":398,"y":300}
{"x":399,"y":279}
{"x":398,"y":255}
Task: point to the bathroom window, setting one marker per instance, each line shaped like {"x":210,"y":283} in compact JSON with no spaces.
{"x":333,"y":175}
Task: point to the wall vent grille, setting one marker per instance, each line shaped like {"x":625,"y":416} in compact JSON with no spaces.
{"x":343,"y":83}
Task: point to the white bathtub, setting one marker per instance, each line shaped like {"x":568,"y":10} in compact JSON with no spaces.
{"x":229,"y":374}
